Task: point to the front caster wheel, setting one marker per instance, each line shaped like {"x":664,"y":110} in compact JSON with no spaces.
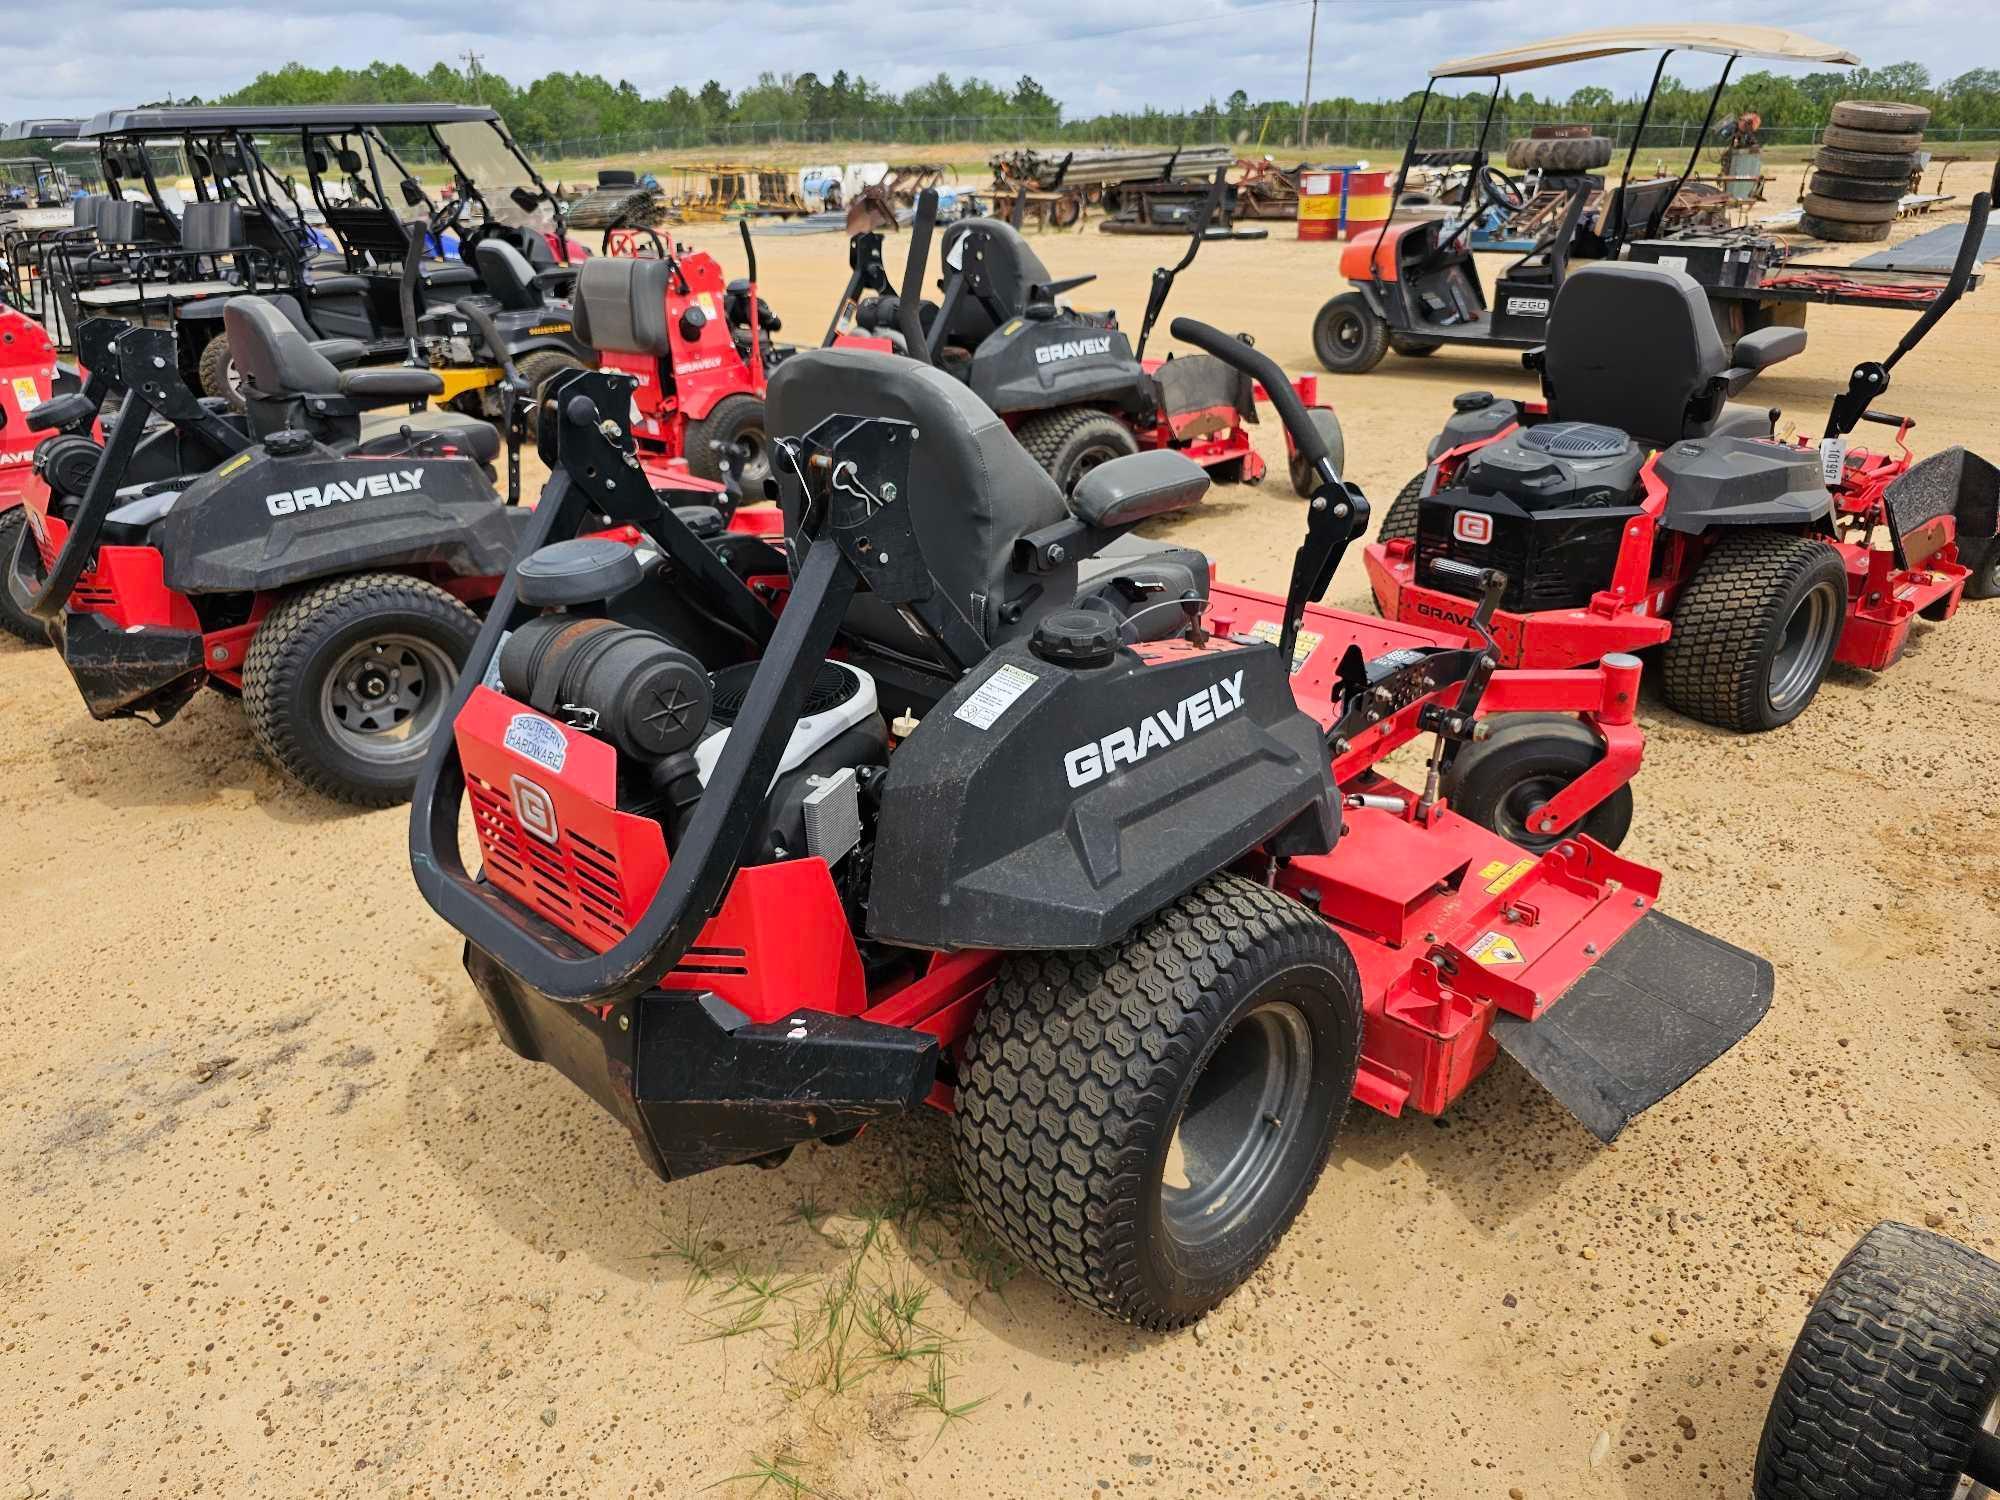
{"x":1503,"y":782}
{"x":1141,"y":1123}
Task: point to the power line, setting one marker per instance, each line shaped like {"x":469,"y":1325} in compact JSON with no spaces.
{"x":472,"y":66}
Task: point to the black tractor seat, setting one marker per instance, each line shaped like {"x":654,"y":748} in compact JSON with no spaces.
{"x":984,"y":510}
{"x":620,"y":304}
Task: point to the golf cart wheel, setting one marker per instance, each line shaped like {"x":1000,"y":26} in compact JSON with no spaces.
{"x":1756,"y":630}
{"x":1399,"y":524}
{"x":1348,"y":336}
{"x":1982,"y":557}
{"x":16,"y":621}
{"x":1855,"y":189}
{"x":537,"y":369}
{"x":1411,"y":348}
{"x":1502,"y":782}
{"x":346,"y":682}
{"x":1894,"y":1377}
{"x":1563,"y":154}
{"x":1849,"y":210}
{"x":1305,"y":479}
{"x":1882,"y":142}
{"x":218,"y":373}
{"x":734,"y":419}
{"x":1143,"y":1122}
{"x":1841,"y":229}
{"x":1879,"y":115}
{"x":1869,"y":161}
{"x":1073,"y":440}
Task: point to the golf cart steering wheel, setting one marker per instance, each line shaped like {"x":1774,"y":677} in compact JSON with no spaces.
{"x":1502,"y":191}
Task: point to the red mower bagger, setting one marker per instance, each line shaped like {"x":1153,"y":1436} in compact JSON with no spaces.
{"x":1069,"y":384}
{"x":1121,"y":885}
{"x":1634,"y":507}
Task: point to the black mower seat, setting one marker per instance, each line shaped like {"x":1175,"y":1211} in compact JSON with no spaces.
{"x":975,"y":492}
{"x":996,"y":250}
{"x":507,"y":275}
{"x":620,"y":304}
{"x":1635,"y":347}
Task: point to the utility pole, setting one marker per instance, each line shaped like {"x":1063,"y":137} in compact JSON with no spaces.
{"x":479,"y":93}
{"x":1312,"y":41}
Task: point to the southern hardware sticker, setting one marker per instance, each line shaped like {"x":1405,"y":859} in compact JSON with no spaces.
{"x":1499,"y":875}
{"x":538,"y":739}
{"x":995,"y":696}
{"x":26,"y":392}
{"x":1307,"y":643}
{"x":1492,"y":949}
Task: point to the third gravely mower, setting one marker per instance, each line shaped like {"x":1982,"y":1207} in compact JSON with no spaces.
{"x":1122,"y":887}
{"x":1635,"y":507}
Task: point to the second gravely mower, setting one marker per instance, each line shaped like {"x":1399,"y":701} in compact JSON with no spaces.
{"x":1635,"y":507}
{"x":1121,"y":888}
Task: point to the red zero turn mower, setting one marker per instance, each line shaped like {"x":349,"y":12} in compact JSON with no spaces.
{"x":1893,"y":1388}
{"x":1633,"y":507}
{"x":699,"y":348}
{"x":1120,"y":886}
{"x":1068,"y":383}
{"x":27,"y":379}
{"x":326,"y":579}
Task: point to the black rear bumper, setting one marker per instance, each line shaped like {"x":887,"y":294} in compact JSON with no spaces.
{"x":123,"y":673}
{"x":700,"y":1085}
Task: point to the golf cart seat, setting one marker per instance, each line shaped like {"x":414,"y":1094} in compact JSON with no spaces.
{"x":282,"y":370}
{"x":507,"y":275}
{"x":621,"y":305}
{"x":978,"y":497}
{"x":1635,"y":347}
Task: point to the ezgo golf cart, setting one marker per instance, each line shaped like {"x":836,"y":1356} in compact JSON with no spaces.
{"x":1415,"y":284}
{"x":1121,"y":884}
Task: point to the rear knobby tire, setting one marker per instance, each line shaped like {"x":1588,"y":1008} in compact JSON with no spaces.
{"x":1893,"y":1377}
{"x":1560,"y":154}
{"x":304,"y":720}
{"x":1348,"y":336}
{"x":1078,"y":1077}
{"x":1072,"y":440}
{"x":217,"y":372}
{"x":1734,"y":660}
{"x":16,"y":621}
{"x":1502,"y":781}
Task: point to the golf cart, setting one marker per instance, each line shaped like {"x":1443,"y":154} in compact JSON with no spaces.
{"x":1069,"y":384}
{"x":1121,"y":886}
{"x":1634,"y":506}
{"x":1415,"y":284}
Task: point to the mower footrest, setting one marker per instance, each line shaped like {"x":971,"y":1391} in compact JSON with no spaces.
{"x":1660,"y":1006}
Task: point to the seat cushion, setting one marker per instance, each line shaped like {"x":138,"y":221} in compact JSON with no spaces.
{"x":337,"y":286}
{"x":1740,"y":420}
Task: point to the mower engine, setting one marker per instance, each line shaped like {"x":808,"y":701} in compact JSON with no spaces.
{"x":1546,"y":505}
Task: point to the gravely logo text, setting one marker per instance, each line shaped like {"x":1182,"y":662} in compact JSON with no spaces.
{"x":1157,"y":731}
{"x":1048,"y":354}
{"x":369,"y":487}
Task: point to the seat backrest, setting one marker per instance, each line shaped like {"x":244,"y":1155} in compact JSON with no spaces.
{"x":621,"y":304}
{"x":1634,"y":347}
{"x":87,"y":210}
{"x":973,"y":490}
{"x":1629,"y":210}
{"x":122,"y":222}
{"x":994,"y":248}
{"x":211,"y":228}
{"x":507,"y":275}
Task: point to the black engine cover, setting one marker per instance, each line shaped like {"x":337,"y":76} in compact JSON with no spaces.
{"x":1044,"y":806}
{"x":1547,"y":506}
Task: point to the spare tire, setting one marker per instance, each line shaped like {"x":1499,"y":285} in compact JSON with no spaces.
{"x":1848,"y":211}
{"x":1879,"y":114}
{"x":1871,"y":162}
{"x":1841,"y":138}
{"x":1838,"y":229}
{"x":1574,"y":154}
{"x":1856,"y":189}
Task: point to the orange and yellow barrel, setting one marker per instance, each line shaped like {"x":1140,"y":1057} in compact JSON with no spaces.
{"x":1319,"y":205}
{"x":1368,"y":204}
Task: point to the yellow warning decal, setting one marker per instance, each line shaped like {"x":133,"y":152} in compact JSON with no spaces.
{"x":1494,"y":948}
{"x":234,"y":464}
{"x":1499,"y":877}
{"x":25,"y":392}
{"x":1013,"y":327}
{"x":1302,"y":649}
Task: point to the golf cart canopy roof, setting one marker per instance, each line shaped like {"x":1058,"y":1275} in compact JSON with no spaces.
{"x":261,"y":117}
{"x":42,"y":130}
{"x":1724,"y":41}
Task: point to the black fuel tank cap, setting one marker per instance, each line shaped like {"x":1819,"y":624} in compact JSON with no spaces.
{"x":1076,"y":638}
{"x":1472,"y":401}
{"x":288,"y":442}
{"x":582,"y":570}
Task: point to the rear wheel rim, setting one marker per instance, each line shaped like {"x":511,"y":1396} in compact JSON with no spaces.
{"x":756,"y":456}
{"x":1344,"y":331}
{"x":1244,"y":1117}
{"x":385,"y":696}
{"x":1803,"y":647}
{"x":1515,"y":816}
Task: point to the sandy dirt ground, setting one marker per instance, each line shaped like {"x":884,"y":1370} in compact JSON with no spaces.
{"x":280,"y":1216}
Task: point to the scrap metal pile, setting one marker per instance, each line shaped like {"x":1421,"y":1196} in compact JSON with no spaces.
{"x":1056,"y":189}
{"x":619,"y":201}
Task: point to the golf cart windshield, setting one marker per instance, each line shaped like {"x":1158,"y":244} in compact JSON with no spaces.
{"x":480,"y":152}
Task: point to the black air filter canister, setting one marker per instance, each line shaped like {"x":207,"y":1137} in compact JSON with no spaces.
{"x":648,"y":696}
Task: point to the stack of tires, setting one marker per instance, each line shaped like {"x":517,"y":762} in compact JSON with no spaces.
{"x":1866,"y":158}
{"x":1559,"y":149}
